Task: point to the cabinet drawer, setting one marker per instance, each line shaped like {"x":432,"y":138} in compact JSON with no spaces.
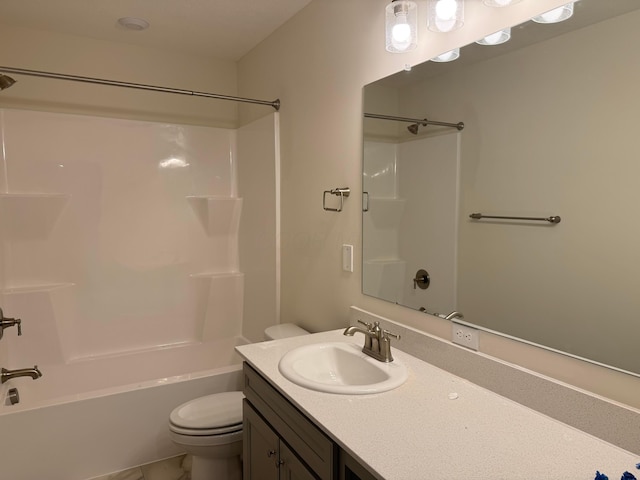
{"x":310,"y":444}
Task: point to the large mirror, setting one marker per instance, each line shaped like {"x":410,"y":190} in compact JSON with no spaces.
{"x":551,"y":121}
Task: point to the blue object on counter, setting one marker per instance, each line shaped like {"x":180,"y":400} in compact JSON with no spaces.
{"x":628,"y":476}
{"x":600,"y":476}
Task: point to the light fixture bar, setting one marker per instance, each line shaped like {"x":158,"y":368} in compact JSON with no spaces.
{"x":139,"y":86}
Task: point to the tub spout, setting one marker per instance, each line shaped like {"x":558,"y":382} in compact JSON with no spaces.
{"x":21,"y":372}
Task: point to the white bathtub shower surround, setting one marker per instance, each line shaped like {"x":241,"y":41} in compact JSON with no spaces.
{"x":87,"y":434}
{"x":120,"y":253}
{"x":116,"y":218}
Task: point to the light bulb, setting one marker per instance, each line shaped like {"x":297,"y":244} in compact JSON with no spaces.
{"x":401,"y":33}
{"x":401,"y":26}
{"x":556,"y":15}
{"x":445,"y":15}
{"x":500,"y":3}
{"x":446,"y":9}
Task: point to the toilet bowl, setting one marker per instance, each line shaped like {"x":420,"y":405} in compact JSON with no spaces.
{"x":209,"y":428}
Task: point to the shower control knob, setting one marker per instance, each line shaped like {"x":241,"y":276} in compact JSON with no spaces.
{"x":422,"y":279}
{"x":6,"y":322}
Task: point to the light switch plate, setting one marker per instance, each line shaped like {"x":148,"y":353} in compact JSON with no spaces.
{"x":347,"y":258}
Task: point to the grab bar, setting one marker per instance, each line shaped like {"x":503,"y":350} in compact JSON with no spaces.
{"x":555,"y":219}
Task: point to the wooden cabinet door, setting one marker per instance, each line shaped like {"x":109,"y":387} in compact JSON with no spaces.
{"x":291,"y":467}
{"x":350,"y":469}
{"x":260,"y":447}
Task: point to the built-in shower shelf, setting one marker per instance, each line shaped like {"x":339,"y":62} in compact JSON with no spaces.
{"x":28,"y":216}
{"x":35,"y":288}
{"x":219,"y":299}
{"x":217,"y":215}
{"x":217,"y":275}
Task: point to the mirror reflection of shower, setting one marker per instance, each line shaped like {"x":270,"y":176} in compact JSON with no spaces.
{"x":395,"y":165}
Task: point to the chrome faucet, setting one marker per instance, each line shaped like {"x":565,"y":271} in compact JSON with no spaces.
{"x":21,"y":372}
{"x":9,"y":322}
{"x":377,"y":343}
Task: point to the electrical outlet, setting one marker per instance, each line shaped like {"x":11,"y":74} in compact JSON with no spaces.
{"x":465,"y":336}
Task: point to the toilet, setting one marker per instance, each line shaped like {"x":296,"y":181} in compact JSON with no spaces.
{"x":210,"y":427}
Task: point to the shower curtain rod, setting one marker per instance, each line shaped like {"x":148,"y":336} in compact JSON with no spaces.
{"x":422,"y":121}
{"x":114,"y":83}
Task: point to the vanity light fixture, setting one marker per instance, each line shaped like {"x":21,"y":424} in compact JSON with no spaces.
{"x":496,"y":38}
{"x":449,"y":56}
{"x":445,"y":15}
{"x":556,"y":15}
{"x":500,"y":3}
{"x":401,"y":26}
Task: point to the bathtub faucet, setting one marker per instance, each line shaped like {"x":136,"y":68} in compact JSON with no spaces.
{"x":21,"y":372}
{"x":6,"y":322}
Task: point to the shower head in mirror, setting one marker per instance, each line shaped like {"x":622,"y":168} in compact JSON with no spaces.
{"x":413,"y":128}
{"x":5,"y":81}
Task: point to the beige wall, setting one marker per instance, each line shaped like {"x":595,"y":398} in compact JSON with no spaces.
{"x":53,"y":52}
{"x":317,"y":64}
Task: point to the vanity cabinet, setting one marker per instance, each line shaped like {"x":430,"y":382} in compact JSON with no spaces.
{"x":266,"y":456}
{"x":281,"y":443}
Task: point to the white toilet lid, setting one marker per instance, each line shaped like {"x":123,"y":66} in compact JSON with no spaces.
{"x":217,"y":411}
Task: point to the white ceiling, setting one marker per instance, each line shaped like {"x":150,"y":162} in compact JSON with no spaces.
{"x":224,"y":29}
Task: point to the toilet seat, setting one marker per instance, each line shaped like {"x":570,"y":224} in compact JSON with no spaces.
{"x":217,"y":414}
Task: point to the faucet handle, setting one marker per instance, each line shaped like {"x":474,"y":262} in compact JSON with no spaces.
{"x":388,"y":334}
{"x":6,"y":322}
{"x":368,"y":325}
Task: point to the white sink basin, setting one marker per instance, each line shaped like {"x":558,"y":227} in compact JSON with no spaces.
{"x":340,"y":367}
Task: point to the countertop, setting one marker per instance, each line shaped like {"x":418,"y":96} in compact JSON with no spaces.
{"x":418,"y":431}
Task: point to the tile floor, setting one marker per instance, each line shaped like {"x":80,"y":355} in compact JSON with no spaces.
{"x":175,"y":468}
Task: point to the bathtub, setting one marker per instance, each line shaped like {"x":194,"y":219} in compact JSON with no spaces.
{"x":104,"y":414}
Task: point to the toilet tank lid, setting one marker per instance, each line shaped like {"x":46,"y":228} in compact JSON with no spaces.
{"x":283,"y":330}
{"x":211,"y":411}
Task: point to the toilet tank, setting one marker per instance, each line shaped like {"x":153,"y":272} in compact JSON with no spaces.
{"x":283,"y":330}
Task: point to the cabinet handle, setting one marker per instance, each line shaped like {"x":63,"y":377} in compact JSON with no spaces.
{"x":279,"y":463}
{"x":271,"y":453}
